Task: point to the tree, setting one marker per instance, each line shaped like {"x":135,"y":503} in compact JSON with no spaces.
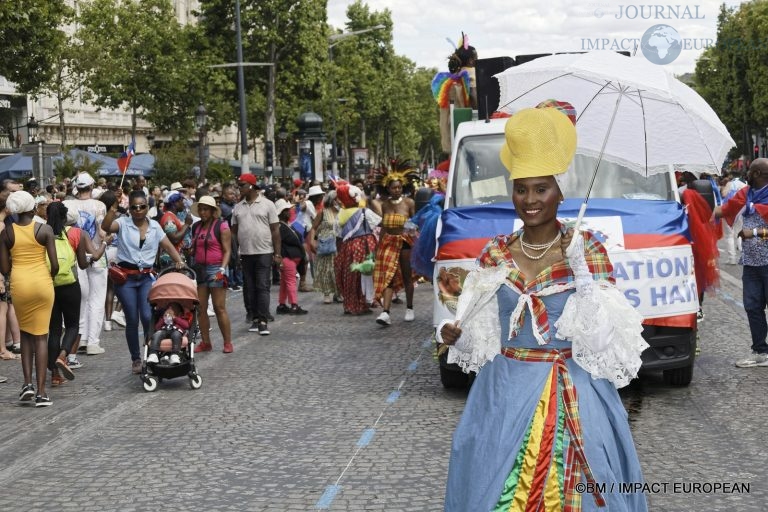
{"x":285,"y":33}
{"x":136,"y":55}
{"x":30,"y":38}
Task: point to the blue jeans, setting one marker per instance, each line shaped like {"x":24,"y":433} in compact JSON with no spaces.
{"x":257,"y":271}
{"x":133,"y":295}
{"x":755,"y":286}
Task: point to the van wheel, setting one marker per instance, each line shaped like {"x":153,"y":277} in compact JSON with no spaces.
{"x":453,"y":379}
{"x":679,"y":376}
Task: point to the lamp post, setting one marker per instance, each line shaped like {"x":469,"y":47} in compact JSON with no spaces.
{"x":150,"y":141}
{"x":335,"y":39}
{"x":32,"y":127}
{"x":201,"y":119}
{"x":282,"y":136}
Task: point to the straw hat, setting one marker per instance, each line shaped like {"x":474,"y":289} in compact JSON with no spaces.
{"x":205,"y":201}
{"x":282,"y":204}
{"x":538,"y":142}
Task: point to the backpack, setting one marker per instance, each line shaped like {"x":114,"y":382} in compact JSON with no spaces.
{"x":67,"y":261}
{"x":197,"y":226}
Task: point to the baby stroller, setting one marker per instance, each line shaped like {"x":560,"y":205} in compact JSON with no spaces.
{"x":173,"y":286}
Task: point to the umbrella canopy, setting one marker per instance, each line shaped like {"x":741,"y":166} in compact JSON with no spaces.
{"x":16,"y":164}
{"x":630,"y":111}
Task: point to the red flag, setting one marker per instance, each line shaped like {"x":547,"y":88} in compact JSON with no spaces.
{"x":124,"y":160}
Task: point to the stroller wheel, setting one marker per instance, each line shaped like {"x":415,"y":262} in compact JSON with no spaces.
{"x":195,"y":381}
{"x":150,"y":384}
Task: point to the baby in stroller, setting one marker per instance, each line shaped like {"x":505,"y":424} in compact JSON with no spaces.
{"x":172,"y":325}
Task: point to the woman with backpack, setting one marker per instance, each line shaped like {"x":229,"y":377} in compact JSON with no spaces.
{"x":72,"y":245}
{"x":211,"y":248}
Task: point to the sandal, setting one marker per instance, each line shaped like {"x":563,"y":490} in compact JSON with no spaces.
{"x":9,"y":356}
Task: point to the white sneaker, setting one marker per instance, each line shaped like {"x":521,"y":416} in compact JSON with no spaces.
{"x":383,"y":319}
{"x":107,"y":325}
{"x":118,"y":317}
{"x":94,"y":350}
{"x":210,"y":311}
{"x":409,"y":315}
{"x":175,"y":359}
{"x":153,"y":358}
{"x":753,"y":360}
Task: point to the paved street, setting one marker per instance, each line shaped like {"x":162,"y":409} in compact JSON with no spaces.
{"x":337,"y":413}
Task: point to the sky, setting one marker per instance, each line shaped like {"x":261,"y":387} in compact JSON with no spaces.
{"x":515,"y":27}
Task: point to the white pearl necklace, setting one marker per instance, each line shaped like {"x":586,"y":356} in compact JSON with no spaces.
{"x":537,"y":247}
{"x":396,"y":201}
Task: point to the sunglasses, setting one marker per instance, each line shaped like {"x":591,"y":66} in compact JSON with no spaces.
{"x":138,"y":207}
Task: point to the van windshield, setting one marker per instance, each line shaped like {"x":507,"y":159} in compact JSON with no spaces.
{"x":480,"y":177}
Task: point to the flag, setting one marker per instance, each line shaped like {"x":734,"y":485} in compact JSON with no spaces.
{"x":125,"y":157}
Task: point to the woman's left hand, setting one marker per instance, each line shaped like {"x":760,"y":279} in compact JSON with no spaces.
{"x":565,"y":241}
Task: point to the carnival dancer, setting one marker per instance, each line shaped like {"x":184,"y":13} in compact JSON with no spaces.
{"x":357,"y":244}
{"x":392,"y":268}
{"x":526,"y":440}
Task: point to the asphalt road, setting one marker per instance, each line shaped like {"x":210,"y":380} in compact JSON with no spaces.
{"x":334,"y":412}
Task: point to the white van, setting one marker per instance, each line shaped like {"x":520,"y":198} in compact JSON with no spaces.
{"x":639,"y":219}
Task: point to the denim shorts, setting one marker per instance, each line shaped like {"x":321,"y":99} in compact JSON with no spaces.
{"x":210,"y":274}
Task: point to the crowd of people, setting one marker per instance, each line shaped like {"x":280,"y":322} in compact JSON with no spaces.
{"x":92,"y":250}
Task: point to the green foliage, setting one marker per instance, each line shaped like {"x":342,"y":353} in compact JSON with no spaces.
{"x":173,"y":163}
{"x":69,"y":167}
{"x":31,"y":40}
{"x":136,"y":53}
{"x":219,"y":171}
{"x":733,"y":75}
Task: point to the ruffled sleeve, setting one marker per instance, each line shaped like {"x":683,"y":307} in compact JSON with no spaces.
{"x":604,"y":329}
{"x":478,"y":315}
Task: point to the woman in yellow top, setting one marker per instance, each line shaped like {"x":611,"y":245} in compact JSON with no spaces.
{"x":23,"y":249}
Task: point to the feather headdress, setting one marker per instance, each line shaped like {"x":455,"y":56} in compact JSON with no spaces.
{"x":398,"y":170}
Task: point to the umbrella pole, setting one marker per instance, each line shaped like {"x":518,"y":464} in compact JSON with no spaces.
{"x":583,"y":208}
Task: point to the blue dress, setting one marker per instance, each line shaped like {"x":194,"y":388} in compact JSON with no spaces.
{"x":494,"y":463}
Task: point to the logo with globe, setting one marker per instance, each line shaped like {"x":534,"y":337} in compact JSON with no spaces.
{"x":661,"y":44}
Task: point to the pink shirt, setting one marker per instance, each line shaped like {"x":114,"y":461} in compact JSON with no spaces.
{"x":207,"y":249}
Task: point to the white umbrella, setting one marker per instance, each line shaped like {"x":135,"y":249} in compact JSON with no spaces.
{"x":629,"y":111}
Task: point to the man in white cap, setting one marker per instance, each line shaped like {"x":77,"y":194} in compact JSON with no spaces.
{"x":93,"y":280}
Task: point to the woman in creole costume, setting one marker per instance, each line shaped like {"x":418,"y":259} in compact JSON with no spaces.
{"x":552,"y":339}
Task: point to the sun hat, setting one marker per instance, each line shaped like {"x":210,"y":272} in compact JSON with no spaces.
{"x":282,"y":204}
{"x":20,"y":202}
{"x":205,"y":201}
{"x":176,"y":186}
{"x":248,"y":178}
{"x":73,"y":215}
{"x":315,"y":190}
{"x":538,"y":142}
{"x":83,"y":180}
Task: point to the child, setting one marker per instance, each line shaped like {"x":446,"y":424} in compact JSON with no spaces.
{"x":172,"y":325}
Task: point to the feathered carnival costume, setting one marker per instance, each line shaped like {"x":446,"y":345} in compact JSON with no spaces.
{"x":456,"y":84}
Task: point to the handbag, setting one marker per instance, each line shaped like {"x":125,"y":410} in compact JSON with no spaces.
{"x":326,"y":246}
{"x":117,"y":274}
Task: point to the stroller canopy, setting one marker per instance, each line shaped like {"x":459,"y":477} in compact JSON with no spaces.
{"x":174,"y":287}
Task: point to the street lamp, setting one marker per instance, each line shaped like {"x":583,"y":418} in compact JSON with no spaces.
{"x":282,"y":136}
{"x":201,"y":119}
{"x":335,"y":39}
{"x":32,"y":126}
{"x":150,"y":141}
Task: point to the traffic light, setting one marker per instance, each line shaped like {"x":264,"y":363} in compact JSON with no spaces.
{"x":268,"y":154}
{"x":756,"y":151}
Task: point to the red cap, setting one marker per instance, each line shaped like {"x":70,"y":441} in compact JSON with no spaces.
{"x":248,"y":178}
{"x":297,"y":182}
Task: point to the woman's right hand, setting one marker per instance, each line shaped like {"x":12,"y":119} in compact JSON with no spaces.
{"x":450,"y":333}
